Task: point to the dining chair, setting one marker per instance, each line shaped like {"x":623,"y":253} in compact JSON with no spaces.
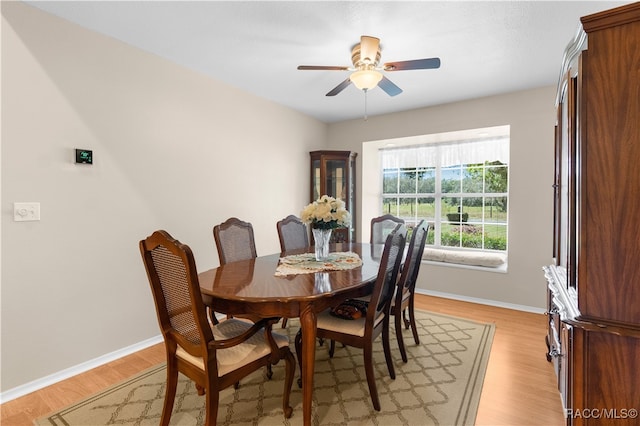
{"x":213,"y":356}
{"x":234,"y":240}
{"x":405,"y":289}
{"x":363,"y":331}
{"x":293,"y":233}
{"x":381,"y":226}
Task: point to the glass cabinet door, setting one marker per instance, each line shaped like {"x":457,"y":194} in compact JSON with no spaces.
{"x":332,"y":174}
{"x":316,"y":179}
{"x":335,"y":178}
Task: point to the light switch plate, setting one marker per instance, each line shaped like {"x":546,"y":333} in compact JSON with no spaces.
{"x":23,"y":212}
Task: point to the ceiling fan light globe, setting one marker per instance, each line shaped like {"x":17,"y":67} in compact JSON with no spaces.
{"x":365,"y":79}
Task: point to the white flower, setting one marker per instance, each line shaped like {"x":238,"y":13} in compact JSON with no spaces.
{"x":326,"y":212}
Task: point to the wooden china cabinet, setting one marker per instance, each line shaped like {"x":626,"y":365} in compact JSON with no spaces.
{"x":594,"y":282}
{"x":333,"y":174}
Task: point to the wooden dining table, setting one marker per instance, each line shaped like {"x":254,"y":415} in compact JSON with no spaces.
{"x":251,"y":288}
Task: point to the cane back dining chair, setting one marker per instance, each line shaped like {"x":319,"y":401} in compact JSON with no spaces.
{"x":403,"y":300}
{"x":381,"y":226}
{"x":234,"y":240}
{"x":363,"y":331}
{"x":213,"y":356}
{"x":292,"y":233}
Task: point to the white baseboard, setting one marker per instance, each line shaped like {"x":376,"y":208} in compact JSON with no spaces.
{"x":75,"y":370}
{"x":495,"y":303}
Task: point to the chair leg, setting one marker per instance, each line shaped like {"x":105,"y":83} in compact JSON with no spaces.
{"x":332,"y":348}
{"x":398,"y":326}
{"x":284,"y":322}
{"x":412,"y":318}
{"x":290,"y":367}
{"x":387,"y":347}
{"x":212,"y":396}
{"x":170,"y":393}
{"x":371,"y":380}
{"x":407,"y":324}
{"x":269,"y":371}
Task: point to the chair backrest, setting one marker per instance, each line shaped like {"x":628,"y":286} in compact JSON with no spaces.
{"x":385,"y":284}
{"x":234,"y":241}
{"x":381,"y":226}
{"x":412,"y":262}
{"x":173,"y":277}
{"x":293,"y":233}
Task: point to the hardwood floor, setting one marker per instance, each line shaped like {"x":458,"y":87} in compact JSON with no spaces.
{"x":519,"y":387}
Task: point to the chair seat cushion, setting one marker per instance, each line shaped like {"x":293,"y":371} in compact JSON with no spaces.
{"x":232,"y":358}
{"x":355,"y":327}
{"x":405,"y":296}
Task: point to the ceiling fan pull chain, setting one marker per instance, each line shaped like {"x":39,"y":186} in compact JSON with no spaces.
{"x":365,"y":104}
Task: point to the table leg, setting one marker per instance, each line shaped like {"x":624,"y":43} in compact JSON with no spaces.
{"x":308,"y":324}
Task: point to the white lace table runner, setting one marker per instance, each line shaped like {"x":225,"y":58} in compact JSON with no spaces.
{"x":306,"y":263}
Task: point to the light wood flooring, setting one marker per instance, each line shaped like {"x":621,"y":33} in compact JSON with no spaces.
{"x":519,"y":387}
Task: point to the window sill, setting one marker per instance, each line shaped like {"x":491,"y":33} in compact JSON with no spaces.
{"x":485,"y":261}
{"x":499,"y":270}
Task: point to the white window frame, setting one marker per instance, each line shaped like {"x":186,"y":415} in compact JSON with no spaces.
{"x":372,"y":204}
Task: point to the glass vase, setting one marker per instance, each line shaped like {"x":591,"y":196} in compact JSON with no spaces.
{"x":321,"y":238}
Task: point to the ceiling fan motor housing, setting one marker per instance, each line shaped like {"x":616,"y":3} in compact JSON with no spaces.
{"x":363,"y":63}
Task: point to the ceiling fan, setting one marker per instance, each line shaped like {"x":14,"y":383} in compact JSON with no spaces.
{"x":366,"y":74}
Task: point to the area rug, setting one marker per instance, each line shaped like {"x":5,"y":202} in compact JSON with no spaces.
{"x":440,"y":385}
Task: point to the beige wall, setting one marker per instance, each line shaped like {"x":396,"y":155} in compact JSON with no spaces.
{"x":172,"y":149}
{"x":531,"y":117}
{"x":177,"y":150}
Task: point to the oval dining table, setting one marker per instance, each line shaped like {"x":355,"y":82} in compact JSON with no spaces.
{"x":251,"y":288}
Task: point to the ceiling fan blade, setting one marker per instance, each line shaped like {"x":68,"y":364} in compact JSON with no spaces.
{"x":389,"y":87}
{"x":322,"y":68}
{"x":339,"y":88}
{"x":416,"y":64}
{"x":369,"y":48}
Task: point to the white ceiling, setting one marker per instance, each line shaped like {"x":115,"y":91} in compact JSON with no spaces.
{"x":486,"y":47}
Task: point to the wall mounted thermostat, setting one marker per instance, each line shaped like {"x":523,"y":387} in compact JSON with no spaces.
{"x":84,"y":156}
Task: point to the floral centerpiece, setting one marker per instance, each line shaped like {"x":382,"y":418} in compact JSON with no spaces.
{"x":323,"y":215}
{"x":326,"y":213}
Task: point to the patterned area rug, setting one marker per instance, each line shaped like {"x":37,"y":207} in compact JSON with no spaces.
{"x":440,"y":385}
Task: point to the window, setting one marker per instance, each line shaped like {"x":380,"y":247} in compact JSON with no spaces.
{"x":459,"y":186}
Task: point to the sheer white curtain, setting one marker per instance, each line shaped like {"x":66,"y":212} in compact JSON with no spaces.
{"x":446,"y":154}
